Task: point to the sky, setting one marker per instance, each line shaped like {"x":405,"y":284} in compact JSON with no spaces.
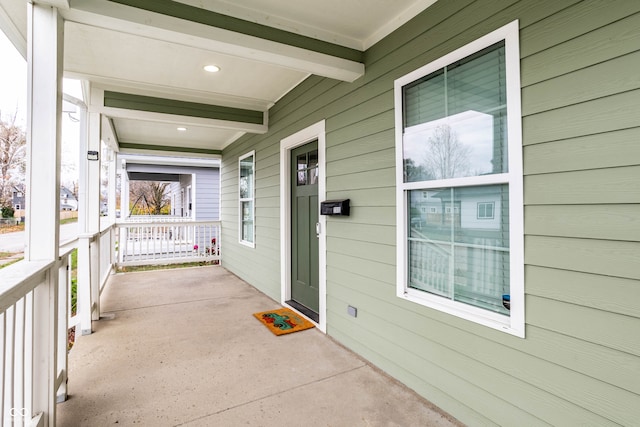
{"x":13,"y":82}
{"x":13,"y":96}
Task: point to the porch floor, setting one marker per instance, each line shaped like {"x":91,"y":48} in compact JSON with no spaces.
{"x":181,"y":348}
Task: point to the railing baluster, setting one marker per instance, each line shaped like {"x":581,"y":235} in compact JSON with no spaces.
{"x":18,"y":357}
{"x":9,"y":356}
{"x":3,"y":368}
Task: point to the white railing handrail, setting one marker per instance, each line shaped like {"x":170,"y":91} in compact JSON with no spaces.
{"x":20,"y":278}
{"x":154,"y":218}
{"x":164,"y":223}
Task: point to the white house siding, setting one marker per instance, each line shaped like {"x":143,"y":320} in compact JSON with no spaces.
{"x":579,"y":363}
{"x":206,"y":188}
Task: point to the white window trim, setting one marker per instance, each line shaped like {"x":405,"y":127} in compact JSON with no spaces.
{"x":513,"y":324}
{"x":252,"y":199}
{"x":190,"y":200}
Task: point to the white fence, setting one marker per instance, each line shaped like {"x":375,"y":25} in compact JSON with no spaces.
{"x":167,"y":242}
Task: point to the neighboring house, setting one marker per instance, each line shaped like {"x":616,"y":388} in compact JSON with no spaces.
{"x":510,"y":302}
{"x":18,"y":198}
{"x":197,"y":194}
{"x":68,"y":201}
{"x":194,"y":185}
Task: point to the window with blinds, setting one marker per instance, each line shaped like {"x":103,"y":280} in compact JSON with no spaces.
{"x":457,"y":121}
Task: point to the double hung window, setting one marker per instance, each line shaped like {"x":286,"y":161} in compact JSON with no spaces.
{"x":459,"y":193}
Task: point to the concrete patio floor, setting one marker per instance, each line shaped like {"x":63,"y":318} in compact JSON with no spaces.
{"x":181,"y":348}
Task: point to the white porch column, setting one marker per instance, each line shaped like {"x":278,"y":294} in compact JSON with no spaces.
{"x":124,"y":207}
{"x":124,"y":191}
{"x":44,"y":90}
{"x":89,"y":224}
{"x":113,"y":169}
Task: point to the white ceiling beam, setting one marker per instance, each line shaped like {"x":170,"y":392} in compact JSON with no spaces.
{"x":167,"y":28}
{"x":149,"y":89}
{"x":180,"y":120}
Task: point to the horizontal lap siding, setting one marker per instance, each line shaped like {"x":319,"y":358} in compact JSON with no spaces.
{"x":207,"y":194}
{"x":580,"y":361}
{"x":582,"y":219}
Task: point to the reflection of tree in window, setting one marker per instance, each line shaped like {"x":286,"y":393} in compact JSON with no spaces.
{"x":446,"y":157}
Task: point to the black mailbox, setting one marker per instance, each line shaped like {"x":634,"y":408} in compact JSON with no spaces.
{"x":335,"y":207}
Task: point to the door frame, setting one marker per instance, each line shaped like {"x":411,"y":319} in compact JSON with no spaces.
{"x":313,"y":132}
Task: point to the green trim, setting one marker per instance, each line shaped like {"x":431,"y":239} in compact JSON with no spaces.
{"x":134,"y":146}
{"x":170,"y":106}
{"x":214,"y":19}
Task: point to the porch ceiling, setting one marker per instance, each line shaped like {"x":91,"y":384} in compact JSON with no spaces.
{"x":148,"y":57}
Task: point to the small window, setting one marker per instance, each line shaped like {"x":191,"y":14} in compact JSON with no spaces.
{"x":246,"y":198}
{"x":485,"y":210}
{"x":459,"y":148}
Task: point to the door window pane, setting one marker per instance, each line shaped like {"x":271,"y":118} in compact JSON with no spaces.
{"x":307,"y":168}
{"x":301,"y":166}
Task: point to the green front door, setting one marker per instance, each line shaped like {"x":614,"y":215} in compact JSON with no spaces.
{"x":304,"y":229}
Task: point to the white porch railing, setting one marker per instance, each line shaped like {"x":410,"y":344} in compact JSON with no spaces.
{"x":33,"y":354}
{"x":35,"y":308}
{"x":35,"y":317}
{"x":167,"y":242}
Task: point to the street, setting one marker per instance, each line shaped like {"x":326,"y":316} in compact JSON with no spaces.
{"x":15,"y":242}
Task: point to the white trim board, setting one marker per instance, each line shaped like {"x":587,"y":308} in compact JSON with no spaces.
{"x":316,"y":131}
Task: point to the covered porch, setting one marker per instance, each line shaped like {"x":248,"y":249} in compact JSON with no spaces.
{"x":181,"y":347}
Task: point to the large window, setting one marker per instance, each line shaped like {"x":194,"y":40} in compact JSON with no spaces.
{"x":459,"y":193}
{"x":246,"y":198}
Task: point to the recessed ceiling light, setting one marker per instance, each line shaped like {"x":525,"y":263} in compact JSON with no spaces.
{"x":181,"y":129}
{"x":212,"y":68}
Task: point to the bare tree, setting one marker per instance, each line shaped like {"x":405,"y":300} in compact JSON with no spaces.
{"x":446,"y":156}
{"x":13,"y":141}
{"x":149,"y":197}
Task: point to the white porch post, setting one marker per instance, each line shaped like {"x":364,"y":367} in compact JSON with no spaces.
{"x":111,"y":204}
{"x":84,"y":265}
{"x":113,"y":169}
{"x":44,"y":89}
{"x":89,"y":225}
{"x":124,"y":191}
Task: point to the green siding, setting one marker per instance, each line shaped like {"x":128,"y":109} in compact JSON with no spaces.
{"x":580,"y":361}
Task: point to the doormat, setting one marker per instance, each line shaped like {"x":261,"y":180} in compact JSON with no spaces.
{"x":283,"y":321}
